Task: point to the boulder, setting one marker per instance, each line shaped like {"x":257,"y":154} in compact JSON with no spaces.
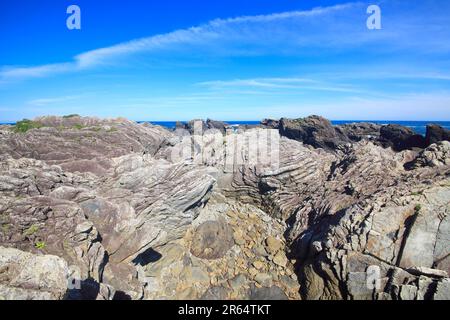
{"x":400,"y":138}
{"x":436,"y":133}
{"x":25,"y":276}
{"x":212,"y":240}
{"x":270,"y":123}
{"x":436,"y":155}
{"x":202,"y":125}
{"x":271,"y":293}
{"x":360,"y":131}
{"x":313,"y":130}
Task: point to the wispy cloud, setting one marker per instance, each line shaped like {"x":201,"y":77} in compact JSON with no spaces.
{"x":420,"y":107}
{"x":339,"y":27}
{"x":206,"y":36}
{"x":12,"y":73}
{"x":49,"y":101}
{"x":279,"y":83}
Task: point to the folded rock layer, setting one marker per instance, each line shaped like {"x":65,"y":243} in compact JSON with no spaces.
{"x":121,"y":210}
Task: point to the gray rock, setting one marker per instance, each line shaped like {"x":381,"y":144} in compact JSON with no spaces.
{"x":238,"y":282}
{"x":271,"y":293}
{"x":436,"y":133}
{"x":408,"y":292}
{"x":215,"y":293}
{"x":313,"y":130}
{"x":264,"y":279}
{"x":212,"y":240}
{"x":25,"y":276}
{"x":442,"y":290}
{"x":428,"y":272}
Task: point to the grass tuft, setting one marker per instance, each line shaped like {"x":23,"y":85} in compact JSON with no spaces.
{"x":40,"y":245}
{"x":31,"y":230}
{"x":25,"y":125}
{"x":417,"y":208}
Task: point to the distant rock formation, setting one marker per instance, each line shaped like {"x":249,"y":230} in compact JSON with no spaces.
{"x":436,"y":133}
{"x":400,"y":138}
{"x":313,"y":130}
{"x":320,"y":133}
{"x":205,"y":125}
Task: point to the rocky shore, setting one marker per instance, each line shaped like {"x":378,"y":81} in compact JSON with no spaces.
{"x":112,"y":209}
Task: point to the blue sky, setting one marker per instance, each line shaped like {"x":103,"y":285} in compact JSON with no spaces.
{"x":228,"y":60}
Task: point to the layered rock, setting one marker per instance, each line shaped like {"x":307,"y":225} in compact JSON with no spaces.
{"x":295,"y":207}
{"x":361,"y":131}
{"x":400,"y":138}
{"x":358,"y":209}
{"x":228,"y":253}
{"x":25,"y":276}
{"x":313,"y":130}
{"x":436,"y":133}
{"x":320,"y":133}
{"x":203,"y":125}
{"x":80,"y":144}
{"x":100,"y":222}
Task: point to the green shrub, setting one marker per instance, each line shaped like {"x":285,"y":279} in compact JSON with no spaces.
{"x":40,"y":245}
{"x":31,"y":230}
{"x":25,"y":125}
{"x":417,"y":208}
{"x":71,"y":116}
{"x":78,"y":126}
{"x":6,"y":228}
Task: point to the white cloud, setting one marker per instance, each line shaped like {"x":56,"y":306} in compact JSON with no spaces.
{"x":297,"y":84}
{"x":48,"y":101}
{"x":11,"y":73}
{"x":323,"y":29}
{"x":412,"y":107}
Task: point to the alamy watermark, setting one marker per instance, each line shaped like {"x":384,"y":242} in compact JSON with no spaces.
{"x":374,"y":20}
{"x":73,"y":22}
{"x":373,"y":278}
{"x":74,"y":278}
{"x":230,"y":150}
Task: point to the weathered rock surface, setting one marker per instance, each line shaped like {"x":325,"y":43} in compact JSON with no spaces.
{"x":324,"y":213}
{"x":436,"y":133}
{"x":400,"y":138}
{"x":354,"y":209}
{"x":186,"y":270}
{"x":25,"y":276}
{"x":313,"y":130}
{"x":99,"y":221}
{"x":361,"y":131}
{"x":202,"y":125}
{"x":434,"y":156}
{"x":82,"y":145}
{"x":320,"y":133}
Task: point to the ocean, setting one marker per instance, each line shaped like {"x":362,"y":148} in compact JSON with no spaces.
{"x":417,"y":126}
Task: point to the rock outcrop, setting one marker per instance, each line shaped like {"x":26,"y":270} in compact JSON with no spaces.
{"x":320,"y":133}
{"x":98,"y":220}
{"x":361,"y":131}
{"x":400,"y":138}
{"x":356,"y":210}
{"x":25,"y":276}
{"x":436,"y":133}
{"x":203,"y":125}
{"x":313,"y":130}
{"x":307,"y":210}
